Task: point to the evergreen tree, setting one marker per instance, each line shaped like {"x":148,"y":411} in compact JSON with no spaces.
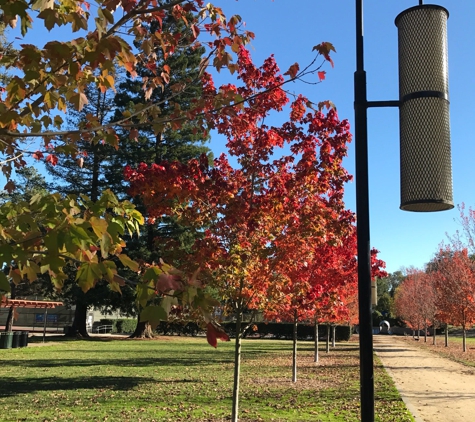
{"x":101,"y":166}
{"x":156,"y":143}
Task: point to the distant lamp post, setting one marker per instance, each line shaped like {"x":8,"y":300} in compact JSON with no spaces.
{"x":426,"y":171}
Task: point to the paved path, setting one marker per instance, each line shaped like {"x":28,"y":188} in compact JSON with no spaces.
{"x":434,"y":389}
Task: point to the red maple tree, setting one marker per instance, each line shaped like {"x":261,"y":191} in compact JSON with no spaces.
{"x":244,"y":212}
{"x":454,"y":277}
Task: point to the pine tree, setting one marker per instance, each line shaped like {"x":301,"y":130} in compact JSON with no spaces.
{"x":101,"y":166}
{"x":157,"y":143}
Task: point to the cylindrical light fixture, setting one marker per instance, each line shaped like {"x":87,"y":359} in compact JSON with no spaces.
{"x":426,"y":169}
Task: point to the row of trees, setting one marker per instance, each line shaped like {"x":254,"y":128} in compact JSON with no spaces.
{"x":443,"y":293}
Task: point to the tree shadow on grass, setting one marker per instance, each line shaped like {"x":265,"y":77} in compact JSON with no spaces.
{"x":14,"y":386}
{"x":138,"y":361}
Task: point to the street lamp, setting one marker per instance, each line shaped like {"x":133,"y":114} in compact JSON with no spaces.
{"x":426,"y":172}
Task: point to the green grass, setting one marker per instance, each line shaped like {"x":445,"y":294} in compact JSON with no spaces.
{"x":178,"y":379}
{"x":454,"y":351}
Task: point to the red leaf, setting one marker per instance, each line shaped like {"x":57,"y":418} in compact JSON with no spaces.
{"x":151,"y":65}
{"x":38,"y":155}
{"x":324,"y":49}
{"x":52,"y":159}
{"x":293,"y":70}
{"x":10,"y":186}
{"x":211,"y":336}
{"x":321,"y":75}
{"x":196,"y":31}
{"x":167,"y":282}
{"x":134,"y":134}
{"x":213,"y":332}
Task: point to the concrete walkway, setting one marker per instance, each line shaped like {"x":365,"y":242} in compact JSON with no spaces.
{"x":434,"y":389}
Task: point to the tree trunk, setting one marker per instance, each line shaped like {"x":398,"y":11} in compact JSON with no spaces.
{"x":464,"y":338}
{"x":433,"y":333}
{"x":315,"y":357}
{"x":328,"y":339}
{"x":142,"y":330}
{"x":333,"y":335}
{"x":446,"y":335}
{"x":11,"y":312}
{"x":79,"y":327}
{"x":425,"y":332}
{"x":294,"y":350}
{"x":237,"y":363}
{"x":9,"y":323}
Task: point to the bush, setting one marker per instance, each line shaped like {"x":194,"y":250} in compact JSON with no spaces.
{"x":126,"y":325}
{"x":170,"y":328}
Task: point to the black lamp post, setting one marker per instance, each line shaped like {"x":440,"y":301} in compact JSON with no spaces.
{"x":426,"y":174}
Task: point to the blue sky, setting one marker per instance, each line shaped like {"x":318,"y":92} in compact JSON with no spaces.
{"x":289,"y":30}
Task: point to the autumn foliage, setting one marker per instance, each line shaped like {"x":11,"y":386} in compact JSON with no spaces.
{"x":118,"y":37}
{"x":270,"y":218}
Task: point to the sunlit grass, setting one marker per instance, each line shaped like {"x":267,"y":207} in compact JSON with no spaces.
{"x":178,"y":379}
{"x":454,"y":351}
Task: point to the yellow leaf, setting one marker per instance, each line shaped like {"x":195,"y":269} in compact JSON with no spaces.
{"x":134,"y":266}
{"x":99,"y":226}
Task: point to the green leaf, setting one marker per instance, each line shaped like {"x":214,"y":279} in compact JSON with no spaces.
{"x":108,"y":15}
{"x":4,"y":284}
{"x":52,"y":263}
{"x":79,"y":232}
{"x":25,"y":24}
{"x":5,"y":254}
{"x":167,"y":303}
{"x":88,"y":274}
{"x":153,"y":315}
{"x":145,"y":291}
{"x":109,"y":269}
{"x":152,"y":274}
{"x":58,"y":280}
{"x":78,"y":21}
{"x":30,"y":270}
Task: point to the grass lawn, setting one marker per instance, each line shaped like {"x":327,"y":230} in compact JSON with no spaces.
{"x":184,"y":379}
{"x":454,"y":351}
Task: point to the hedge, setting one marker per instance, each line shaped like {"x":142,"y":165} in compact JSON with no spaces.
{"x":126,"y":325}
{"x":279,"y":330}
{"x":170,"y":328}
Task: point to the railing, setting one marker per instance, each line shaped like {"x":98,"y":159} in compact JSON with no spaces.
{"x":102,"y":329}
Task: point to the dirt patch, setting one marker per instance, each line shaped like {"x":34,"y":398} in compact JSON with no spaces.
{"x":47,"y":343}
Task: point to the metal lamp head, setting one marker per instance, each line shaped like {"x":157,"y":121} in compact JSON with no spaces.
{"x":426,"y":169}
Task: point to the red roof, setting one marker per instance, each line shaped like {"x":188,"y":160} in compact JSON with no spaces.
{"x":26,"y":303}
